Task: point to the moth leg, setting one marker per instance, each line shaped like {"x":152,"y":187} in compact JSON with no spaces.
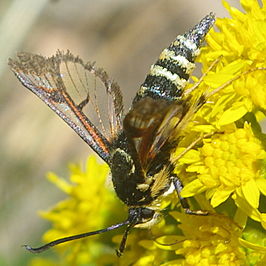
{"x":229,"y":82}
{"x":183,"y":201}
{"x":120,"y":250}
{"x":205,"y":96}
{"x":195,"y":142}
{"x":196,"y":85}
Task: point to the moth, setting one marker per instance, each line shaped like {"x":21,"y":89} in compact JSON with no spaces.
{"x":136,"y":145}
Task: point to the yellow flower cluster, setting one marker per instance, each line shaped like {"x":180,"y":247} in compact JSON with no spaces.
{"x":215,"y":242}
{"x":224,"y":172}
{"x":228,"y":163}
{"x":228,"y":168}
{"x":232,"y":161}
{"x":90,"y":206}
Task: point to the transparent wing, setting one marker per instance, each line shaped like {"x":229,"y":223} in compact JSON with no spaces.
{"x":75,"y":91}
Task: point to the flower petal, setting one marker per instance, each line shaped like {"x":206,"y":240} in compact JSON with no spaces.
{"x":242,"y":203}
{"x":59,"y":182}
{"x":251,"y":193}
{"x":252,"y":246}
{"x":261,"y":183}
{"x":263,"y":220}
{"x":232,"y":114}
{"x":192,"y":188}
{"x":220,"y":196}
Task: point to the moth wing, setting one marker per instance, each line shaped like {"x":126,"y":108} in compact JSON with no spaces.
{"x":150,"y":124}
{"x":73,"y":90}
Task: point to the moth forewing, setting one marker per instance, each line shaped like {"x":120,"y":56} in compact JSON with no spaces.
{"x":67,"y":85}
{"x":97,"y":95}
{"x":86,"y":86}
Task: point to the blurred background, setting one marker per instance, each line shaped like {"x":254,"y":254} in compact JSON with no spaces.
{"x":123,"y":36}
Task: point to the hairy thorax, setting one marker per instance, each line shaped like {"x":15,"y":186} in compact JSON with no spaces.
{"x":134,"y":186}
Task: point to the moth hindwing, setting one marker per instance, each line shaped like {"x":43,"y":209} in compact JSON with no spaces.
{"x":136,"y":146}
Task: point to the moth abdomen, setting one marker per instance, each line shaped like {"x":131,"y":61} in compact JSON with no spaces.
{"x":169,"y":75}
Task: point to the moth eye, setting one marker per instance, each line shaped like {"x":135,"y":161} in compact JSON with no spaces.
{"x":147,"y":213}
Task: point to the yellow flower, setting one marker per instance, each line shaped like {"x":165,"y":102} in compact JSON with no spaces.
{"x":228,"y":164}
{"x":209,"y":240}
{"x":229,"y":160}
{"x":240,"y":39}
{"x":241,"y":44}
{"x":91,"y":205}
{"x":232,"y":161}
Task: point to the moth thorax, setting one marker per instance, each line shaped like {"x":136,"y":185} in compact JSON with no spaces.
{"x":122,"y":163}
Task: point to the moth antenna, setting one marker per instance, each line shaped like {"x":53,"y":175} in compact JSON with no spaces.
{"x":75,"y":237}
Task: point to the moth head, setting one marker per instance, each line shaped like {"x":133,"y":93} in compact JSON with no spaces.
{"x":143,"y":217}
{"x":137,"y":217}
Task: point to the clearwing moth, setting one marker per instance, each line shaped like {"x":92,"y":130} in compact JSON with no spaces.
{"x":136,"y":145}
